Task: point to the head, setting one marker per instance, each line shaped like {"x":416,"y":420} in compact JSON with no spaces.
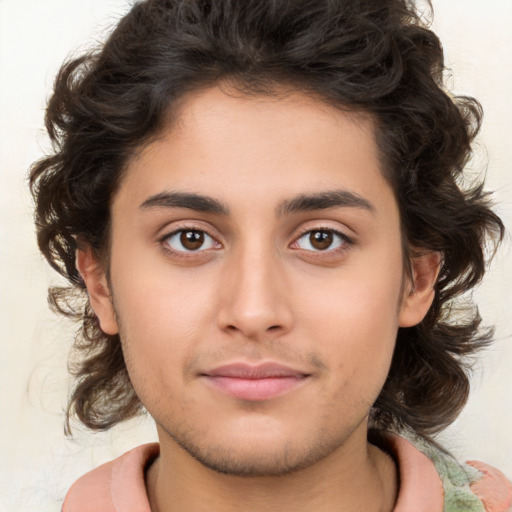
{"x":368,"y":72}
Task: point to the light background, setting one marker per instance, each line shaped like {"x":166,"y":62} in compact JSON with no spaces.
{"x":37,"y":464}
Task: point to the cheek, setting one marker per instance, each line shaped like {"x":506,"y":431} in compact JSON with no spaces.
{"x":354,"y":317}
{"x":162,"y":317}
{"x":160,"y":299}
{"x":353,"y":304}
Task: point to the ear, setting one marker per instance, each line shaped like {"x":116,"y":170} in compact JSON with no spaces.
{"x":419,"y":290}
{"x":95,"y":280}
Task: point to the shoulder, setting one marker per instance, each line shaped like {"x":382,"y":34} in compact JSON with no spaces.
{"x":116,"y":485}
{"x":492,"y":487}
{"x":470,"y":487}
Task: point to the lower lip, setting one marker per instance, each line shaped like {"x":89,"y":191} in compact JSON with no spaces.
{"x":255,"y":389}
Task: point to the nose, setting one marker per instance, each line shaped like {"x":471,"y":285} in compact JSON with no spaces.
{"x":255,"y":297}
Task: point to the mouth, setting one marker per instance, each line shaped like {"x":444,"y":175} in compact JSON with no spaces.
{"x":255,"y":383}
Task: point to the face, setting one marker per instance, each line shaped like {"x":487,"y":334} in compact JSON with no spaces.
{"x":257,"y":279}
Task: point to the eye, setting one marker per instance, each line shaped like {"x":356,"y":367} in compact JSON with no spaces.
{"x":322,"y":240}
{"x":190,"y":240}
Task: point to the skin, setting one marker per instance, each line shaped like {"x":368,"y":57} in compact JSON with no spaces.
{"x":258,"y":288}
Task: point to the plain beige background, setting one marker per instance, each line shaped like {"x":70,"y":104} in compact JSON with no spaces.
{"x":37,"y":463}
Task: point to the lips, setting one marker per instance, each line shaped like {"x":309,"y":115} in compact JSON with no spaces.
{"x":255,"y":383}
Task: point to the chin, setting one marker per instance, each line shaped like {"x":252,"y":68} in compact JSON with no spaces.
{"x":258,"y":456}
{"x":264,"y":463}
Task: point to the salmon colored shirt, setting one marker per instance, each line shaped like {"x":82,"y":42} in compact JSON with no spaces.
{"x":430,"y":481}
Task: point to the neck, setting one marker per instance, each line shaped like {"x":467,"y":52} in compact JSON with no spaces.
{"x":358,"y":476}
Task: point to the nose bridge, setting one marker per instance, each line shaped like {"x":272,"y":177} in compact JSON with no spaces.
{"x":255,"y":299}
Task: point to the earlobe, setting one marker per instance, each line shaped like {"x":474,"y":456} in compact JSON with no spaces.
{"x":419,"y":291}
{"x":95,"y":280}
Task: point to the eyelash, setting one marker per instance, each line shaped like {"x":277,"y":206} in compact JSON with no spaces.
{"x":164,"y":241}
{"x":346,"y":242}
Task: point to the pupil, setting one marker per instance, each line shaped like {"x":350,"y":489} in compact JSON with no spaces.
{"x":192,"y":240}
{"x":321,"y":239}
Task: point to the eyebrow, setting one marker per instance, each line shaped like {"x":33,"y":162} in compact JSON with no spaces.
{"x":324,"y":201}
{"x":298,"y":204}
{"x":188,"y":200}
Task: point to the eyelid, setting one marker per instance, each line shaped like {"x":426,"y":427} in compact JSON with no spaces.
{"x":193,"y":225}
{"x":186,"y":226}
{"x":207,"y":243}
{"x":174,"y":227}
{"x":347,"y":241}
{"x":323,"y":226}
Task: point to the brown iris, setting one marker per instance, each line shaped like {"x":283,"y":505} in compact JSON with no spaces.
{"x":192,"y":240}
{"x":321,"y":240}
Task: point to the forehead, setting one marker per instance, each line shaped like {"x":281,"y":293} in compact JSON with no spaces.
{"x":291,"y":113}
{"x":235,"y":145}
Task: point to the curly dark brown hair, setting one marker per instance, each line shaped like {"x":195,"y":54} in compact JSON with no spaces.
{"x":373,"y":56}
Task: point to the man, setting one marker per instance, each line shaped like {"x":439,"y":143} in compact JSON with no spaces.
{"x":261,"y":201}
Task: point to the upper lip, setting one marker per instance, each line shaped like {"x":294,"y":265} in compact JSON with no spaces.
{"x":260,"y":371}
